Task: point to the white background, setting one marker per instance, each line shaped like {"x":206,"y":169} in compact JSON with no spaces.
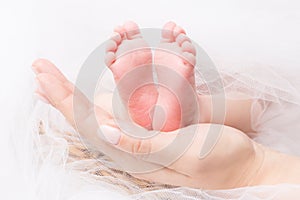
{"x":67,"y":31}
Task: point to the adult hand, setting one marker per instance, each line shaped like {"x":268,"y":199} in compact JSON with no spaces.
{"x":181,"y":157}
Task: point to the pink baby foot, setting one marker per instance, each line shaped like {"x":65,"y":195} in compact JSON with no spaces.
{"x":175,"y":55}
{"x":129,"y":58}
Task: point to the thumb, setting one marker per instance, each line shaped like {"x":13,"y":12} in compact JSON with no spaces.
{"x":162,"y":148}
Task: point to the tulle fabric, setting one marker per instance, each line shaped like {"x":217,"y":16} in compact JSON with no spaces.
{"x":58,"y":166}
{"x":275,"y":92}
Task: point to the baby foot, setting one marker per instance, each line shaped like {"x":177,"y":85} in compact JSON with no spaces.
{"x":174,"y":62}
{"x":130,"y":59}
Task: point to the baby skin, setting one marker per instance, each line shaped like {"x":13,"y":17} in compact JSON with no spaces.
{"x":171,"y":102}
{"x":151,"y":105}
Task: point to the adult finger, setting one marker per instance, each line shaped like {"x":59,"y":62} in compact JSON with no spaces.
{"x":45,"y":66}
{"x":162,"y":148}
{"x":85,"y":117}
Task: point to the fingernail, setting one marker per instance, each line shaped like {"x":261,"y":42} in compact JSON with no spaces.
{"x":41,"y":98}
{"x":110,"y":134}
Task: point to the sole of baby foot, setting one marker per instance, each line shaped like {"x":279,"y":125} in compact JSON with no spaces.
{"x":174,"y":61}
{"x":129,"y":58}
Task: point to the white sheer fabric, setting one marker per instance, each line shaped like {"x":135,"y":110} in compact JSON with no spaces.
{"x":276,"y":96}
{"x":64,"y":169}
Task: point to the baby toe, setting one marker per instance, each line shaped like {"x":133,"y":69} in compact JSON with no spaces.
{"x":181,"y":38}
{"x":110,"y":57}
{"x":111,"y":45}
{"x":132,"y":30}
{"x":167,"y":32}
{"x":189,"y":58}
{"x":116,"y":37}
{"x":178,"y":30}
{"x":120,"y":30}
{"x":188,"y":47}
